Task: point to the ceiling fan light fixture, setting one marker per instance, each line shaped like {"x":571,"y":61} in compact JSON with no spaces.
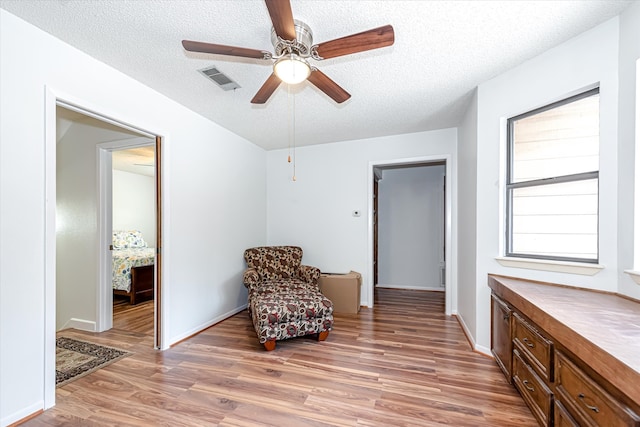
{"x":292,"y":69}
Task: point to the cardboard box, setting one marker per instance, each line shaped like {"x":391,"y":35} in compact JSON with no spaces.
{"x":343,"y":290}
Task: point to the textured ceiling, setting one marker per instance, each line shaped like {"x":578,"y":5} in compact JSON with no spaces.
{"x":442,"y":50}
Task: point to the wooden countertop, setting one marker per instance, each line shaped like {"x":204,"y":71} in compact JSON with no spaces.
{"x":602,"y":329}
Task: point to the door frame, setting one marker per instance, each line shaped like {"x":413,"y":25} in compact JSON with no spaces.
{"x":451,"y":284}
{"x":54,"y":97}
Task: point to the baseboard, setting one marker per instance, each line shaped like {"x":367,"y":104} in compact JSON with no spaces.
{"x":412,"y":288}
{"x":484,"y":350}
{"x":81,"y":324}
{"x":195,"y":331}
{"x":466,"y":331}
{"x":474,"y":346}
{"x":23,"y":415}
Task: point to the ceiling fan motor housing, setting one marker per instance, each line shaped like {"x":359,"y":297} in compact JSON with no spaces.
{"x":301,"y":45}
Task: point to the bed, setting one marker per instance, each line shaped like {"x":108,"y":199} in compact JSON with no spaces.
{"x":133,"y":268}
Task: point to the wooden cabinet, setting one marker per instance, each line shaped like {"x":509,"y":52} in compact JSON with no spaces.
{"x":501,"y":335}
{"x":573,"y":355}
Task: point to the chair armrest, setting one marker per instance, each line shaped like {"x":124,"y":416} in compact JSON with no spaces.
{"x":309,"y":274}
{"x":250,"y":278}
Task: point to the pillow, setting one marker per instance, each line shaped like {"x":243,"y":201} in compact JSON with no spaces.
{"x":128,"y":239}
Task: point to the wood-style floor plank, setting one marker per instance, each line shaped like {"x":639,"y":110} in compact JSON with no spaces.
{"x":403,"y":363}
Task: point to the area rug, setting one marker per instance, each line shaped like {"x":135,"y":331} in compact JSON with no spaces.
{"x":75,"y":359}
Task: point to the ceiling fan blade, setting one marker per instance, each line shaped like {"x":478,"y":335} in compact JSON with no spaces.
{"x":282,"y":18}
{"x":366,"y":40}
{"x":221,"y":49}
{"x":267,"y":89}
{"x":328,"y":86}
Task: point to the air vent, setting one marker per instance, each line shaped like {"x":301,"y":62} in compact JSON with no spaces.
{"x":222,"y":80}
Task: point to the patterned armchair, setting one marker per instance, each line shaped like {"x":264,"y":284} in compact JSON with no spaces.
{"x":284,"y":298}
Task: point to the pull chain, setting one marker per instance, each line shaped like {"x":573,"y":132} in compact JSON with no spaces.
{"x":289,"y":127}
{"x":294,"y":137}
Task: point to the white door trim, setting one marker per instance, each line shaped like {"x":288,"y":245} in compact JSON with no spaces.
{"x":50,"y":251}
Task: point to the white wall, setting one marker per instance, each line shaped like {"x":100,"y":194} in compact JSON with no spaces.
{"x":628,"y":55}
{"x":411,"y":227}
{"x":76,"y":229}
{"x":77,"y":225}
{"x":467,"y":224}
{"x":588,"y":59}
{"x":213,"y":208}
{"x":134,"y":204}
{"x":314,"y":212}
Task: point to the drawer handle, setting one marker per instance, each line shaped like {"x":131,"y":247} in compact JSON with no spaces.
{"x":593,"y":408}
{"x":527,"y":386}
{"x":527,"y":342}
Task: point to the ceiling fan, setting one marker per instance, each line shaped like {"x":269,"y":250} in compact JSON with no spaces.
{"x":293,"y":46}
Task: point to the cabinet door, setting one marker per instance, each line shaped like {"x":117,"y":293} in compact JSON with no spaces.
{"x":501,"y":345}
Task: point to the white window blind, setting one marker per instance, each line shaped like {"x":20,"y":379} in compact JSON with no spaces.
{"x":552,"y":181}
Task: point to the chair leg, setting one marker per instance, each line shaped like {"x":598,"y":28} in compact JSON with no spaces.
{"x":270,"y":345}
{"x":323,"y":335}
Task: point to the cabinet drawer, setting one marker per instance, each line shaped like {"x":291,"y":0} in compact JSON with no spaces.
{"x":562,"y":418}
{"x":589,"y":403}
{"x":534,"y":392}
{"x":536,"y":348}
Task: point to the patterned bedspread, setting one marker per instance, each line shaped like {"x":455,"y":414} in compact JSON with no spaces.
{"x":124,"y":259}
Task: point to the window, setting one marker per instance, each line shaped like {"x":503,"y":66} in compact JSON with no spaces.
{"x":552,"y":181}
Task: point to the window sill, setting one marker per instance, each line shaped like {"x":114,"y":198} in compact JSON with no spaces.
{"x":582,"y":268}
{"x":635,"y":275}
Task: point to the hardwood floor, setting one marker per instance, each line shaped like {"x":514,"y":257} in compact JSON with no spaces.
{"x":403,"y":363}
{"x":133,"y":318}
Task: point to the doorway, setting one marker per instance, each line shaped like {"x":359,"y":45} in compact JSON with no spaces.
{"x":432,"y":269}
{"x":410,"y":227}
{"x":133,"y":222}
{"x":125,"y":171}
